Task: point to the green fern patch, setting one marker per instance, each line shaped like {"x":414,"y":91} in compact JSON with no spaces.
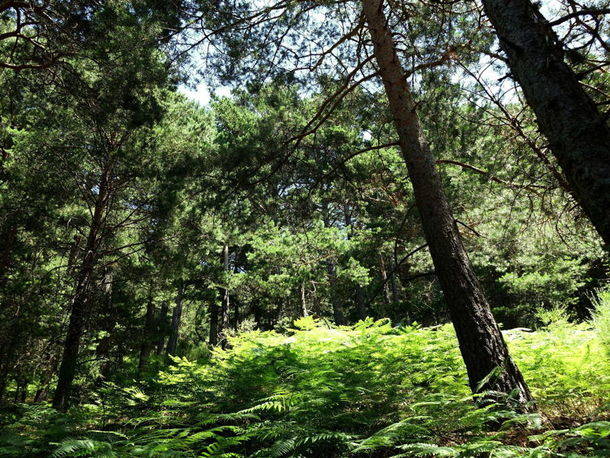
{"x":369,"y":390}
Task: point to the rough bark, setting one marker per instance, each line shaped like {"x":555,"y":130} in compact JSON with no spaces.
{"x":81,"y":296}
{"x":480,"y":340}
{"x":577,"y":130}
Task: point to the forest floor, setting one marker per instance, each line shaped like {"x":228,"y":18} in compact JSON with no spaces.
{"x":318,"y":390}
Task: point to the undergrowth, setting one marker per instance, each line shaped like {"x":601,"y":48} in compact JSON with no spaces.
{"x":369,"y":390}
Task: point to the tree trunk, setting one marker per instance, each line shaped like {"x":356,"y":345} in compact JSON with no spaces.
{"x":4,"y":373}
{"x":226,"y":299}
{"x":7,"y":243}
{"x":337,"y":300}
{"x":577,"y":131}
{"x":480,"y":340}
{"x":393,"y":286}
{"x":362,"y":308}
{"x":81,"y":297}
{"x":359,"y":299}
{"x":147,"y":334}
{"x":384,"y":281}
{"x":219,"y":315}
{"x":104,"y":347}
{"x":304,"y":311}
{"x":8,"y":351}
{"x":161,"y":328}
{"x":214,"y":315}
{"x":172,"y":341}
{"x":235,"y":317}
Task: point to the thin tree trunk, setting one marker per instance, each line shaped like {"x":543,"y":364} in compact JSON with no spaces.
{"x":226,"y":299}
{"x":384,"y":281}
{"x":393,"y":286}
{"x":480,"y":340}
{"x":81,"y":297}
{"x":161,"y":328}
{"x":172,"y":341}
{"x":577,"y":130}
{"x":359,"y":299}
{"x":103,"y":350}
{"x":304,"y":310}
{"x":219,"y":315}
{"x":4,"y":373}
{"x":7,"y":243}
{"x":235,"y":316}
{"x":7,"y":354}
{"x":24,"y":391}
{"x":337,"y":304}
{"x":214,"y":316}
{"x":147,"y":337}
{"x":361,"y":305}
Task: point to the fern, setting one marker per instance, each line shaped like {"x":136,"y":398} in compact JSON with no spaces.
{"x":83,"y":447}
{"x":365,"y":390}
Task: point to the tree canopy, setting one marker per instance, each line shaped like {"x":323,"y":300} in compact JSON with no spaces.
{"x":389,"y":237}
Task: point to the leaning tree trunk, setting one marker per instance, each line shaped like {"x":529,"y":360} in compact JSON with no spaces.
{"x":577,"y":131}
{"x":480,"y":340}
{"x":81,"y":297}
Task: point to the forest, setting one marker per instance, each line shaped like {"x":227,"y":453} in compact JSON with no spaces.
{"x":304,"y":228}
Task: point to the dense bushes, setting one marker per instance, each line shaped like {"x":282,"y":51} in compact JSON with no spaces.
{"x":319,"y":390}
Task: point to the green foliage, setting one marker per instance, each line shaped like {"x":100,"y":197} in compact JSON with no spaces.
{"x":549,"y":284}
{"x":601,"y":318}
{"x":321,"y":390}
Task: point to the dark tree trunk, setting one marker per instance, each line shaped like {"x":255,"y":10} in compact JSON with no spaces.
{"x":384,"y":281}
{"x":161,"y":328}
{"x":219,"y":315}
{"x":337,"y":300}
{"x":104,"y":347}
{"x":24,"y":391}
{"x":235,"y":316}
{"x":172,"y":341}
{"x":361,"y":305}
{"x":359,"y":298}
{"x":214,"y":315}
{"x":7,"y":243}
{"x":4,"y":371}
{"x":480,"y":340}
{"x":81,"y":297}
{"x":226,"y":299}
{"x":393,"y":286}
{"x":147,"y":334}
{"x":7,"y":355}
{"x":577,"y":131}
